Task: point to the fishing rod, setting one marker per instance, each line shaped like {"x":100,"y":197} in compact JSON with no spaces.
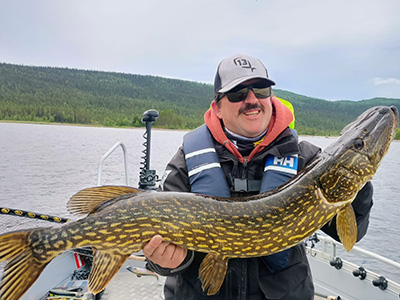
{"x":32,"y":215}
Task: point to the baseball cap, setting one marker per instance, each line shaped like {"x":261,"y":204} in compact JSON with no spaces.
{"x":237,"y":69}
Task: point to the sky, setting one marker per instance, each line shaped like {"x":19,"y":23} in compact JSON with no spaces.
{"x":328,"y":49}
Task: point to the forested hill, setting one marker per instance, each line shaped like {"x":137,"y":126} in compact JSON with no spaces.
{"x":46,"y":94}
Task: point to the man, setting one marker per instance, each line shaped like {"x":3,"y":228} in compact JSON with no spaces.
{"x":239,"y":152}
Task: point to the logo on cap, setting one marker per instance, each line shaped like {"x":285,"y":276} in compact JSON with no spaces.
{"x":244,"y":63}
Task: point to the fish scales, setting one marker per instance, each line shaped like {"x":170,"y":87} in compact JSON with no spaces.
{"x":122,"y":219}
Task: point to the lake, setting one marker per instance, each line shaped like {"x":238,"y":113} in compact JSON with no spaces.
{"x":42,"y":166}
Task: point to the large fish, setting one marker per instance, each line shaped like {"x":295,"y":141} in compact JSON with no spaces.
{"x":122,"y":219}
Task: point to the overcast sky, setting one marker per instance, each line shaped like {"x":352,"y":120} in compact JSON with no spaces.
{"x":329,"y":49}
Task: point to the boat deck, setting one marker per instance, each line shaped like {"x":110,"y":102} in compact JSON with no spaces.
{"x":126,"y":285}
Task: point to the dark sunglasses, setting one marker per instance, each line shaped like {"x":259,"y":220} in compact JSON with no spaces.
{"x":239,"y":93}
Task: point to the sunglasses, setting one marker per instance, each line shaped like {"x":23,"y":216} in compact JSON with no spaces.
{"x":239,"y":93}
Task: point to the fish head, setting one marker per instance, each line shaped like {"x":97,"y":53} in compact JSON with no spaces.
{"x":355,"y":156}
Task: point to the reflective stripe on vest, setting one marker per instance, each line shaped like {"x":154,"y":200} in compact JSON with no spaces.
{"x":204,"y":170}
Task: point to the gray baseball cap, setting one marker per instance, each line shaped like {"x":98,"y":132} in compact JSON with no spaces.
{"x":237,"y":69}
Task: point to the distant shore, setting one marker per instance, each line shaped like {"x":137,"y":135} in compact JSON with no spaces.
{"x":131,"y":127}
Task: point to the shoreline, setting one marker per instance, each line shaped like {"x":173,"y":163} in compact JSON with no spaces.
{"x":130,"y":127}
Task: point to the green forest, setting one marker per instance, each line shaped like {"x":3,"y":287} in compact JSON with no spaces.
{"x":61,"y":95}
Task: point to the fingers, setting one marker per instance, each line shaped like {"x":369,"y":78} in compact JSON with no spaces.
{"x":152,"y":245}
{"x":164,"y":254}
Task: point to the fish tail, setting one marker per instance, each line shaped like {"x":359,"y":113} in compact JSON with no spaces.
{"x":22,"y":267}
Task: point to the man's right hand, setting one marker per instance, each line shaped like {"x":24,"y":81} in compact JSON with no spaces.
{"x":164,"y":254}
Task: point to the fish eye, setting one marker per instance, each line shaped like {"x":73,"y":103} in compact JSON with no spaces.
{"x":358,"y":144}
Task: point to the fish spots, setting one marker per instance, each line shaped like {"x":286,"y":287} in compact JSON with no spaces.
{"x":221,"y":241}
{"x":172,"y":225}
{"x":251,"y":231}
{"x":178,"y":235}
{"x":234,"y":233}
{"x":91,"y":234}
{"x":238,"y":243}
{"x":302,"y":220}
{"x":277,"y":229}
{"x":148,"y":233}
{"x":131,"y":230}
{"x":184,"y":224}
{"x":104,"y":231}
{"x":246,"y":249}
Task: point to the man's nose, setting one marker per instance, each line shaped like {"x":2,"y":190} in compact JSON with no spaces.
{"x":251,"y":97}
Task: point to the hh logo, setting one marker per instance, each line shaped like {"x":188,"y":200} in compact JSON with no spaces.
{"x":286,"y":164}
{"x":287,"y":161}
{"x":244,"y":63}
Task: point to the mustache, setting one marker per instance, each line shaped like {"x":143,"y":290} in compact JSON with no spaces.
{"x":250,"y":106}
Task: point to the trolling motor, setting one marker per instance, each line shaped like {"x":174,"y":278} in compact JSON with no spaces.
{"x":147,"y":177}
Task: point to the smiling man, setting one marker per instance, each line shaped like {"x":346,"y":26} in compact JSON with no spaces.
{"x":245,"y":147}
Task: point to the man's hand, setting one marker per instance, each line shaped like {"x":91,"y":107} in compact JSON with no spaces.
{"x":164,"y":254}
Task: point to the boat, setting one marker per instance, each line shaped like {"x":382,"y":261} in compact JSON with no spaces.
{"x":335,"y":276}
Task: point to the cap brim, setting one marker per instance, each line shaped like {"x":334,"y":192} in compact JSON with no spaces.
{"x":238,"y":81}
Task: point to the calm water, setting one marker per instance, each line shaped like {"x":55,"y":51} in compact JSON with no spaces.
{"x":42,"y":166}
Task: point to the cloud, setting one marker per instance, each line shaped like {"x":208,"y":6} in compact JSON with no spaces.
{"x":379,"y":81}
{"x":318,"y":48}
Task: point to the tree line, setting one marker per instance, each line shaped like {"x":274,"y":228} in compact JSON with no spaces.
{"x":62,"y":95}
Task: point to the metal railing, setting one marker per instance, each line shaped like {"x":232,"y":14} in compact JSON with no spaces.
{"x":106,"y":155}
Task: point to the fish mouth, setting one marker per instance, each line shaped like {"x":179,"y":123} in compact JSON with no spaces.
{"x":383,"y":134}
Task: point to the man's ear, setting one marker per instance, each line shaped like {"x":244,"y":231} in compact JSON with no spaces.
{"x":216,"y":108}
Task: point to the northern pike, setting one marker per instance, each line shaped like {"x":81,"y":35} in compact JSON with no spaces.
{"x":120,"y":220}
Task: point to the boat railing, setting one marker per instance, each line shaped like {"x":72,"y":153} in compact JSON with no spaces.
{"x":106,"y":155}
{"x":329,"y":250}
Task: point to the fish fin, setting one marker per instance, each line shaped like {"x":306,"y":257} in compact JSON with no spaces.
{"x":92,"y":199}
{"x":105,"y":266}
{"x":212,"y":272}
{"x":346,"y":226}
{"x":22,"y":268}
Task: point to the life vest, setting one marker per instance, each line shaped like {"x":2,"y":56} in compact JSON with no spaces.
{"x":207,"y":177}
{"x":290,"y":106}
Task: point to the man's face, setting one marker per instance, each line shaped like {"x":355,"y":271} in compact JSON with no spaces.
{"x":250,"y":117}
